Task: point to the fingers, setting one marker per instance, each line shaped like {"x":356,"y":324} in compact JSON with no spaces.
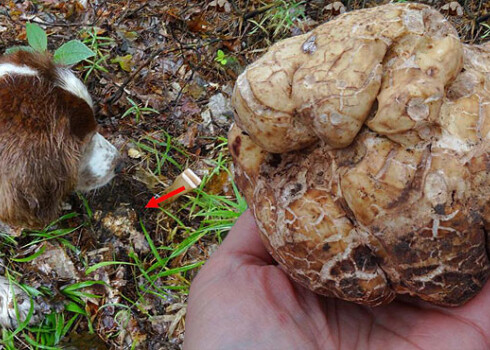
{"x":473,"y":313}
{"x":244,"y":239}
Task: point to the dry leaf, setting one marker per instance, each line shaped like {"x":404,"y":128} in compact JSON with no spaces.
{"x":125,"y":62}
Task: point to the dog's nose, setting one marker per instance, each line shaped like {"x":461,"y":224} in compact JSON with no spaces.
{"x":119,"y":167}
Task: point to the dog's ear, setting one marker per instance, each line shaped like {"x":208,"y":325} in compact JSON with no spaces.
{"x":78,"y":112}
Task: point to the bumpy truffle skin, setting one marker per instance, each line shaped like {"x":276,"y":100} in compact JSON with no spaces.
{"x":363,"y":150}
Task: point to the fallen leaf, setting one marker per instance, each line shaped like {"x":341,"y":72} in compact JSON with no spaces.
{"x":198,"y":24}
{"x":217,"y":183}
{"x":189,"y":138}
{"x":125,"y":62}
{"x":232,"y":45}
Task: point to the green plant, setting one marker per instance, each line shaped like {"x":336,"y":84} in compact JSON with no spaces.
{"x":70,"y":53}
{"x":100,"y":45}
{"x":221,"y":58}
{"x":202,"y":216}
{"x":162,"y":148}
{"x":49,"y":333}
{"x":54,"y":326}
{"x":50,"y":232}
{"x":486,"y":32}
{"x":137,"y":110}
{"x":217,"y":213}
{"x":279,"y":18}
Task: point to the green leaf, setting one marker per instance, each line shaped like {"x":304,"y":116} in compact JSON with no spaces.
{"x":36,"y":37}
{"x":68,"y":325}
{"x":125,"y":62}
{"x":179,"y":269}
{"x":18,"y":48}
{"x":72,"y":52}
{"x":31,"y":257}
{"x":75,"y":308}
{"x":81,"y":285}
{"x":106,"y":263}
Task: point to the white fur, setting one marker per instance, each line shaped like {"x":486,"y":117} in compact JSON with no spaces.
{"x":97,"y":164}
{"x":10,"y":69}
{"x":69,"y":82}
{"x":8,"y":317}
{"x":101,"y":157}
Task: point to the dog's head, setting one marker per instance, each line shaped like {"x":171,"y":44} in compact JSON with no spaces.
{"x":49,"y":144}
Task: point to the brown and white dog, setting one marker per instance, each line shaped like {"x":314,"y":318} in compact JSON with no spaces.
{"x":49,"y":146}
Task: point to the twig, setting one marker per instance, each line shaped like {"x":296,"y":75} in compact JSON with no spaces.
{"x":179,"y":95}
{"x":260,"y":10}
{"x":468,"y":10}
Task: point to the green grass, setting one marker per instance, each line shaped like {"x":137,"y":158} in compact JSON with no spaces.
{"x":216,"y":213}
{"x":101,"y":46}
{"x":51,"y":232}
{"x":281,"y":16}
{"x":163,"y":150}
{"x":486,"y":32}
{"x":55,"y":326}
{"x":137,"y":110}
{"x":48,"y":333}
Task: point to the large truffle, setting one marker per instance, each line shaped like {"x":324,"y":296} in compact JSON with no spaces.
{"x":362,"y":148}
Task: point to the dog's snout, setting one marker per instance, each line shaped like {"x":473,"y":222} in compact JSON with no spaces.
{"x":119,"y":167}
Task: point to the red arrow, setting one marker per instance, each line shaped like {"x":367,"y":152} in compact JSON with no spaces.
{"x":153,"y":203}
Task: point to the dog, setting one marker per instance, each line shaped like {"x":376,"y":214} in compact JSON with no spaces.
{"x":49,"y":147}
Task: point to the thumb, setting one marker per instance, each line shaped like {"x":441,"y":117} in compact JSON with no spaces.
{"x":244,"y":239}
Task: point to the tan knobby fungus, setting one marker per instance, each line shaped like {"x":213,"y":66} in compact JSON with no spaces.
{"x":362,"y":148}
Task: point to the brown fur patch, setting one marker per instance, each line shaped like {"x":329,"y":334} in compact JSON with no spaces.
{"x":43,"y":130}
{"x":42,"y":62}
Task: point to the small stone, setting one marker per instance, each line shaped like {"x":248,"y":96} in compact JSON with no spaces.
{"x":453,"y":9}
{"x":309,"y":46}
{"x":221,"y":109}
{"x":134,"y":153}
{"x":337,"y":8}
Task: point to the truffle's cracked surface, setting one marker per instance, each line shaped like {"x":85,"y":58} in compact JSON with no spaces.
{"x":363,"y":150}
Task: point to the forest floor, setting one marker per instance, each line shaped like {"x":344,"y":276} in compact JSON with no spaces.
{"x":161,"y":81}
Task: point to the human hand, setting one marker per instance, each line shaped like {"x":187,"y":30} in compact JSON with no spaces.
{"x":242,"y":300}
